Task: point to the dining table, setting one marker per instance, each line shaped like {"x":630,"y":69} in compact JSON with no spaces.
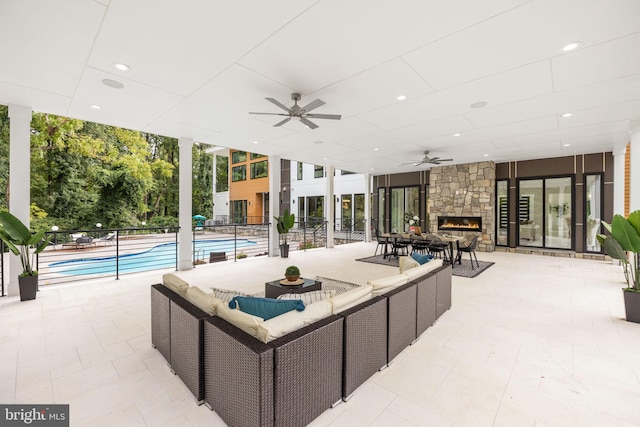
{"x":450,"y":239}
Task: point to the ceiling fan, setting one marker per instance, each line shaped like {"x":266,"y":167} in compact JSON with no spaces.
{"x":426,"y":159}
{"x":301,"y":113}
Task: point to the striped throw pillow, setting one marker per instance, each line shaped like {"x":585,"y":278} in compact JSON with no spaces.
{"x":227,"y":295}
{"x":309,"y":297}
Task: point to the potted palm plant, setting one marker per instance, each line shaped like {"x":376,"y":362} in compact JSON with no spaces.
{"x":21,"y":242}
{"x":283,"y":224}
{"x":624,"y":245}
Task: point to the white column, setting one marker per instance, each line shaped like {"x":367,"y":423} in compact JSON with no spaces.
{"x":274,"y":204}
{"x":214,"y":181}
{"x":634,"y":164}
{"x":330,"y":205}
{"x":367,"y":207}
{"x":19,"y":179}
{"x":618,"y":179}
{"x":185,"y":236}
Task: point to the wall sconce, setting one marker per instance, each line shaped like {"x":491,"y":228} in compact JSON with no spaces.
{"x":337,"y":199}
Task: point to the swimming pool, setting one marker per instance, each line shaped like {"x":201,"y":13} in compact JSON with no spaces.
{"x":157,"y":257}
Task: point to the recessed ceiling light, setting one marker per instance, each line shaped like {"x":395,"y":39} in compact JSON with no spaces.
{"x":567,"y":115}
{"x":571,"y":46}
{"x":376,"y":149}
{"x":456,"y":134}
{"x":96,"y":107}
{"x":372,"y":169}
{"x":566,"y":145}
{"x":112,"y":83}
{"x":122,"y":67}
{"x":325,"y":158}
{"x":256,"y":142}
{"x":485,"y":155}
{"x":401,"y":97}
{"x":479,"y":104}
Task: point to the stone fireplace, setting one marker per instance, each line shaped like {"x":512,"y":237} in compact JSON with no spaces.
{"x":463,"y":192}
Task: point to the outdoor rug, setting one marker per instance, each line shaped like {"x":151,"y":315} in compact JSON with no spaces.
{"x":463,"y":270}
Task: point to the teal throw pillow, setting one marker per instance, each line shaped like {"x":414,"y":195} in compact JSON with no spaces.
{"x":421,"y":258}
{"x":265,"y":307}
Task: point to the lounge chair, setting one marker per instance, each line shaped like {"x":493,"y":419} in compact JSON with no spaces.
{"x":108,"y":239}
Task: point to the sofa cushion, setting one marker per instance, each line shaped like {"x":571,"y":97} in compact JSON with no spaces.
{"x":350,"y":298}
{"x":421,"y":258}
{"x":205,"y":302}
{"x":406,"y":262}
{"x":175,"y":283}
{"x":385,"y":284}
{"x":240,"y":319}
{"x":309,"y":297}
{"x":293,"y":320}
{"x":227,"y":295}
{"x":265,"y":307}
{"x":416,"y":273}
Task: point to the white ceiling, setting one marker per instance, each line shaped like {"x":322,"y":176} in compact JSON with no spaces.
{"x":199,"y":66}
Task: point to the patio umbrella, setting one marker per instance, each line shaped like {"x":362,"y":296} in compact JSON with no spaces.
{"x":199,"y":217}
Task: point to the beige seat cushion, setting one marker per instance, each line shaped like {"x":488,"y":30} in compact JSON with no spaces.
{"x":415,"y":273}
{"x":240,"y":319}
{"x":385,"y":284}
{"x":350,"y":298}
{"x":204,"y":301}
{"x":175,"y":283}
{"x":279,"y":326}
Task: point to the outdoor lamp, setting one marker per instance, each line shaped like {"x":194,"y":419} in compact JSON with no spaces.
{"x":54,"y":228}
{"x":99,"y":225}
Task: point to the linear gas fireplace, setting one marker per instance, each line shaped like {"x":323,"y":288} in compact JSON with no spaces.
{"x":460,"y":223}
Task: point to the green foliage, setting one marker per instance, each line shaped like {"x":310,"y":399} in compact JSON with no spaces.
{"x":83,"y":173}
{"x":21,"y":242}
{"x":292,"y":270}
{"x":624,"y":238}
{"x":284,"y":223}
{"x":307,"y":245}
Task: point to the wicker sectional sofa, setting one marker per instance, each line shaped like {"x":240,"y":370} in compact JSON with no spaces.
{"x":290,"y":379}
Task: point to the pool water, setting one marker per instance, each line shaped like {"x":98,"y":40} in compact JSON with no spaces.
{"x":159,"y":256}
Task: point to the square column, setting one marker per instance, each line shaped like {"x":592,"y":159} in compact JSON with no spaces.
{"x":19,"y":179}
{"x":274,"y":204}
{"x":185,"y":235}
{"x":330,"y":206}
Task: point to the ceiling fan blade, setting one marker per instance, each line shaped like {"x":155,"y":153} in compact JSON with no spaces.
{"x":279,"y":104}
{"x":313,"y":105}
{"x":445,"y":160}
{"x":325,"y":116}
{"x":308,"y":123}
{"x":282,"y":122}
{"x":272,"y":114}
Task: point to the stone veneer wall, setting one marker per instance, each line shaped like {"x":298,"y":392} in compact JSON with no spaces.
{"x":479,"y":182}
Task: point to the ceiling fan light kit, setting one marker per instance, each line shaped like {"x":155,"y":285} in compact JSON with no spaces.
{"x":301,"y":113}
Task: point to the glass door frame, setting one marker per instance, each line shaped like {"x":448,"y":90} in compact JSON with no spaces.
{"x":584,"y":213}
{"x":545,"y":208}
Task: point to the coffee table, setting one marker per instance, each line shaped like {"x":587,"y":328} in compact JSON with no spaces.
{"x":273,"y":289}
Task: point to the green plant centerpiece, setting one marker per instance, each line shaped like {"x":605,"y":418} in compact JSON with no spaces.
{"x":624,"y":245}
{"x":284,"y":223}
{"x":22,"y":243}
{"x":292,"y":273}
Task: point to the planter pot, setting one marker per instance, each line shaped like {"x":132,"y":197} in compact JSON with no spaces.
{"x":292,"y":278}
{"x":284,"y":251}
{"x":28,"y":287}
{"x":632,"y":306}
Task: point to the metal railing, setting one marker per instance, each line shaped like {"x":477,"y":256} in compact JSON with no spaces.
{"x":2,"y":249}
{"x":349,"y":231}
{"x":237,"y":241}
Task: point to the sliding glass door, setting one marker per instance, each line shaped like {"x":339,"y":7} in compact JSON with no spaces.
{"x":545,"y":208}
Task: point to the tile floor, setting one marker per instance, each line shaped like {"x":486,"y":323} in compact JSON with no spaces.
{"x":532,"y":341}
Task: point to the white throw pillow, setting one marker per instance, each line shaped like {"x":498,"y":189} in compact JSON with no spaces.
{"x":175,"y":283}
{"x":309,"y":297}
{"x":205,"y":302}
{"x":279,"y":326}
{"x":406,"y":263}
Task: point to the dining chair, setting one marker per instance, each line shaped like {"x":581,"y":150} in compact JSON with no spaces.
{"x":471,"y":249}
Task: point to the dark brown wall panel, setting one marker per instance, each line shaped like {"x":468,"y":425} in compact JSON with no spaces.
{"x":545,"y":167}
{"x":502,"y":171}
